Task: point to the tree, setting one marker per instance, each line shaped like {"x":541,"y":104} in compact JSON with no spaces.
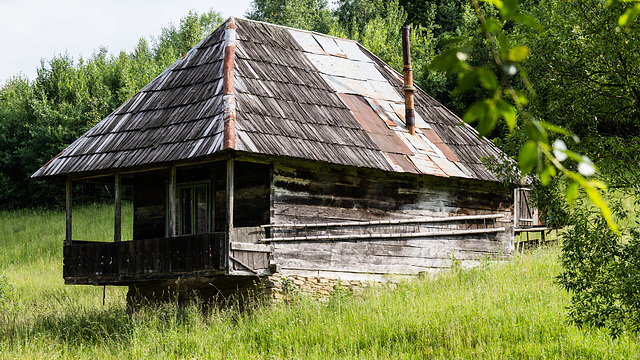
{"x":585,"y":74}
{"x":311,"y":15}
{"x":599,"y":258}
{"x":39,"y":118}
{"x":602,"y":271}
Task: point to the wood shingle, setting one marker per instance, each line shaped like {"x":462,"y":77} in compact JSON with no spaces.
{"x":295,"y":94}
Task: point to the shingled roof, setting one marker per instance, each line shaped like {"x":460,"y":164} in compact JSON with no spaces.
{"x":267,"y":89}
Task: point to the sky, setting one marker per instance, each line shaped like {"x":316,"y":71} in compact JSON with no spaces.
{"x":31,"y":30}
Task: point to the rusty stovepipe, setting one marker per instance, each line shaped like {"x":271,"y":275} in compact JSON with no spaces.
{"x":408,"y":88}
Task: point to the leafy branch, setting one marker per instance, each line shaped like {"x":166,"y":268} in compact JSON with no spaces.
{"x":537,"y":156}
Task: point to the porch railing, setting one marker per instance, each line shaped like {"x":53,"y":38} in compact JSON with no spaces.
{"x":89,"y":262}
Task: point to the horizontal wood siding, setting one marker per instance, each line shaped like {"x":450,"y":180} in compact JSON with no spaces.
{"x":105,"y":263}
{"x":410,"y":256}
{"x":305,"y":193}
{"x":332,"y":193}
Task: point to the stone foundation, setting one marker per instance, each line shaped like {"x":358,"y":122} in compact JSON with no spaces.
{"x":277,"y":287}
{"x":240,"y":291}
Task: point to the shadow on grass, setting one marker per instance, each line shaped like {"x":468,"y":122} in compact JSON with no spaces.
{"x":73,"y":326}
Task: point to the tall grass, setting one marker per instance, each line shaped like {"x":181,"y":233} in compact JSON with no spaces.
{"x":510,"y":310}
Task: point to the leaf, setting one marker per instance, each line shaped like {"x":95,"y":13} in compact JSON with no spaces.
{"x":448,"y":61}
{"x":493,"y":25}
{"x":466,"y":81}
{"x":599,"y":184}
{"x":535,"y":131}
{"x":596,"y":199}
{"x":508,"y":112}
{"x":518,"y":53}
{"x":487,"y":121}
{"x":473,"y":113}
{"x":629,"y":15}
{"x":508,"y":8}
{"x":485,"y":112}
{"x":452,"y":40}
{"x":504,"y":44}
{"x":546,"y":174}
{"x":528,"y":20}
{"x":488,"y":79}
{"x":555,"y":129}
{"x":497,"y":3}
{"x":521,"y":98}
{"x":528,"y":157}
{"x":571,"y":193}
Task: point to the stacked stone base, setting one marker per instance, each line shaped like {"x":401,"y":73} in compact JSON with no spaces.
{"x":278,"y":287}
{"x":243,"y":291}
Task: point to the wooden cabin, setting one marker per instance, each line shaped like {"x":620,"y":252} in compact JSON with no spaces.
{"x":270,"y":150}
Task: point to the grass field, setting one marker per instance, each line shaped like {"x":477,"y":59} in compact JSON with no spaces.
{"x":512,"y":310}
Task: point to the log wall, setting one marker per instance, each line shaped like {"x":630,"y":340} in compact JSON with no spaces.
{"x":319,"y":194}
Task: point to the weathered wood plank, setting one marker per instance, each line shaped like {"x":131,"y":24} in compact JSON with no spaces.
{"x":103,"y":262}
{"x":172,"y":203}
{"x":409,"y":248}
{"x":251,"y":247}
{"x":117,"y":231}
{"x":69,"y":208}
{"x":374,"y":236}
{"x":391,"y":222}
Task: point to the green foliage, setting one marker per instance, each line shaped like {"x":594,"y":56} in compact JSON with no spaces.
{"x":602,"y":271}
{"x":311,"y":15}
{"x":39,"y":118}
{"x":380,"y":34}
{"x":583,"y":73}
{"x":591,"y":85}
{"x":354,"y":15}
{"x":537,"y":155}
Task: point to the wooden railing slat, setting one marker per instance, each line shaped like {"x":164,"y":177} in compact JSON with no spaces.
{"x":139,"y":257}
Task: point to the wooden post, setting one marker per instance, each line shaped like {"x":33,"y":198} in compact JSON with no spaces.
{"x":229,"y":215}
{"x":117,"y":231}
{"x":68,"y":203}
{"x":230,"y":190}
{"x":516,"y":204}
{"x":173,"y":213}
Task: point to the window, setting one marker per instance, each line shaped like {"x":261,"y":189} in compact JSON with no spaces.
{"x":193,"y":208}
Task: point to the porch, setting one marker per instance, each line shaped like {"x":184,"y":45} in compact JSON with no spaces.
{"x":189,"y":256}
{"x":126,"y":262}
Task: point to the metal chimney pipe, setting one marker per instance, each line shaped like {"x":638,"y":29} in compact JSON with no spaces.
{"x":408,"y":88}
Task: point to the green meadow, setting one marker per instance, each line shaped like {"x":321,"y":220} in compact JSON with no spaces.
{"x":509,"y":310}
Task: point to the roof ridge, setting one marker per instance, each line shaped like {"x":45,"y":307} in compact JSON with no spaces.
{"x":294,"y":29}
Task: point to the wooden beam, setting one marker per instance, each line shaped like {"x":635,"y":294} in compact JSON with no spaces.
{"x":173,"y":204}
{"x":229,"y":215}
{"x":262,"y":248}
{"x":230,"y":191}
{"x":68,"y":203}
{"x":243,"y":264}
{"x":117,"y":230}
{"x":389,"y":222}
{"x":385,"y":236}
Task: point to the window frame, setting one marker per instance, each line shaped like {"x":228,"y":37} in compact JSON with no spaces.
{"x":193,"y":207}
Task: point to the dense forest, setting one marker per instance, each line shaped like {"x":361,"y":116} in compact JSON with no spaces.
{"x":582,"y":72}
